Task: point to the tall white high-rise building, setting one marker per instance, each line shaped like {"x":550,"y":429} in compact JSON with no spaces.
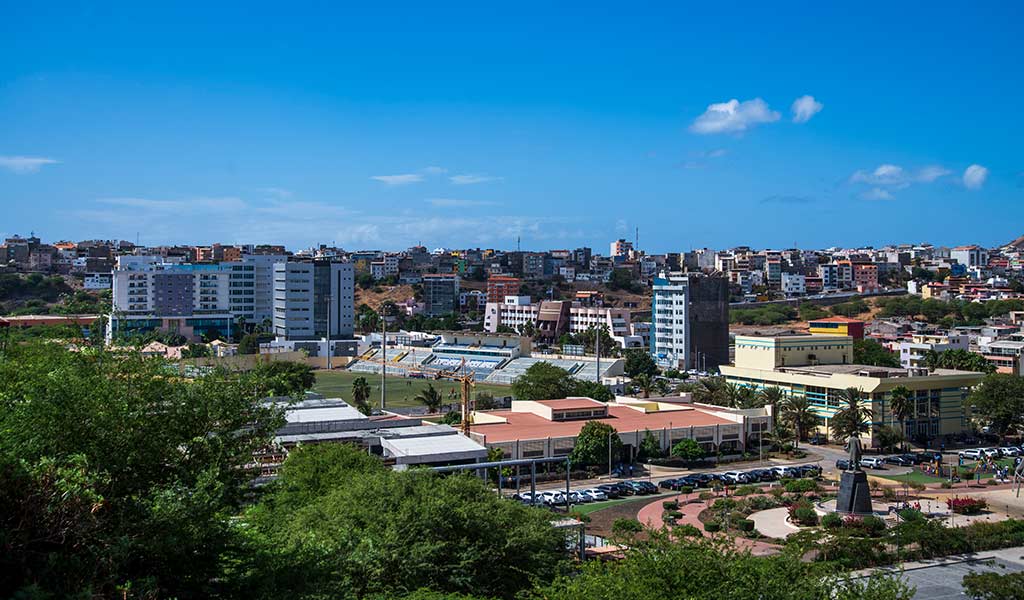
{"x":314,"y":300}
{"x":690,"y":321}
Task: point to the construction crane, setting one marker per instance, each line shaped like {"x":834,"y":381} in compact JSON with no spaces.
{"x":460,"y":374}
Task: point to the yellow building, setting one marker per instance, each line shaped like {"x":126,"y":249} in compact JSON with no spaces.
{"x":819,"y":367}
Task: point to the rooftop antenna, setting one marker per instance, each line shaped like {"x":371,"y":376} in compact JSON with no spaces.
{"x":637,"y":238}
{"x":519,"y":247}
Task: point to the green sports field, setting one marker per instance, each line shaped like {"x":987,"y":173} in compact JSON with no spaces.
{"x":400,"y":390}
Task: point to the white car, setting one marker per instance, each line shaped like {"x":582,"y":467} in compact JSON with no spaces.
{"x":991,"y":452}
{"x":736,"y":477}
{"x":971,"y":454}
{"x":595,"y":494}
{"x":1010,"y":451}
{"x":872,"y":462}
{"x":552,"y":498}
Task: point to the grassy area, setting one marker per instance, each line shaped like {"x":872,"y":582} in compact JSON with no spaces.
{"x":593,"y":507}
{"x":400,"y":390}
{"x":917,"y":476}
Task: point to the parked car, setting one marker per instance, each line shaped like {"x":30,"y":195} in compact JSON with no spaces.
{"x":809,"y":470}
{"x":818,"y":440}
{"x":843,"y":464}
{"x":786,"y":472}
{"x":669,"y":484}
{"x":611,"y":490}
{"x":575,"y":497}
{"x":649,"y":487}
{"x":992,"y":452}
{"x":735,"y":477}
{"x":971,"y":454}
{"x":901,"y":460}
{"x":757,"y":475}
{"x":1010,"y":451}
{"x":872,"y":462}
{"x":552,"y":498}
{"x":635,"y":487}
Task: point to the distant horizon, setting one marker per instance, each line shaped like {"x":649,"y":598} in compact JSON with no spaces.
{"x":471,"y":125}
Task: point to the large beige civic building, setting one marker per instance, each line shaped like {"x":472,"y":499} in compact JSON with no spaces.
{"x":819,"y":367}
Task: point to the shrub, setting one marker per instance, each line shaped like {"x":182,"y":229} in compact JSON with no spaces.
{"x":745,"y":525}
{"x":832,"y":521}
{"x":746,"y":490}
{"x":805,"y":516}
{"x":757,"y":503}
{"x":776,"y":492}
{"x":579,"y":516}
{"x":911,"y":514}
{"x":626,"y":527}
{"x":687,"y":530}
{"x":945,"y":485}
{"x":888,"y":494}
{"x":686,"y":489}
{"x":670,"y":505}
{"x":724,"y":504}
{"x":712,"y":526}
{"x":966,"y":505}
{"x":675,"y":514}
{"x":706,"y":496}
{"x":872,"y":525}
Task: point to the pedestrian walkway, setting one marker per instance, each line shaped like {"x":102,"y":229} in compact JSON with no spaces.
{"x":651,"y":516}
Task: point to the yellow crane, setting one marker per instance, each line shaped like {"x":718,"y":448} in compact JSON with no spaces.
{"x":461,"y":374}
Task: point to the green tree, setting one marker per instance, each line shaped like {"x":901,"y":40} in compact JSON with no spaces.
{"x":870,"y":352}
{"x":375,"y":532}
{"x":811,"y":312}
{"x":853,"y":419}
{"x":644,"y":383}
{"x":772,"y":396}
{"x":431,"y":398}
{"x":361,"y":395}
{"x":113,"y":473}
{"x":960,"y":360}
{"x":639,"y":362}
{"x":901,"y":405}
{"x":709,"y":390}
{"x":650,"y":447}
{"x":999,"y":402}
{"x":593,"y":390}
{"x":592,"y":444}
{"x":543,"y":381}
{"x":286,"y":378}
{"x":249,"y":344}
{"x":485,"y":401}
{"x":994,"y":585}
{"x":796,"y":411}
{"x":688,"y":449}
{"x":889,"y":438}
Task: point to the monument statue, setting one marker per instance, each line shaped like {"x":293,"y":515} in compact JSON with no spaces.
{"x":854,"y":448}
{"x":854,"y":495}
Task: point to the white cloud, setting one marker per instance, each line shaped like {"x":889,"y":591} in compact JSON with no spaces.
{"x":403,"y":179}
{"x":975,"y":176}
{"x":877,"y":194}
{"x":804,"y":108}
{"x":434,"y":170}
{"x":457,"y":203}
{"x":887,"y":177}
{"x":471,"y":178}
{"x":25,"y":164}
{"x":733,"y":117}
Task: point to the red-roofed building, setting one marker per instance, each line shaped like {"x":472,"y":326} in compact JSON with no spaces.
{"x":548,"y":428}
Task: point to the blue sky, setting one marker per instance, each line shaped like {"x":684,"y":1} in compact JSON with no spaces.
{"x":472,"y":124}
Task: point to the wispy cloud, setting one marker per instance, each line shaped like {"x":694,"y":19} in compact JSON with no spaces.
{"x":457,"y":203}
{"x":888,"y":177}
{"x":733,"y":117}
{"x":877,"y":194}
{"x":804,"y":108}
{"x":433,"y":170}
{"x":974,"y":177}
{"x":403,"y":179}
{"x":469,"y":179}
{"x":25,"y":164}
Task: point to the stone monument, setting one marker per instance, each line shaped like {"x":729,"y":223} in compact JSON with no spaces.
{"x":854,"y":495}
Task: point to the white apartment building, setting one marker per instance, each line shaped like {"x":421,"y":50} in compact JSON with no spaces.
{"x":314,"y":300}
{"x":829,"y":274}
{"x":970,"y":256}
{"x":516,"y":311}
{"x":98,"y":281}
{"x":912,"y":352}
{"x":690,"y":321}
{"x":794,"y":284}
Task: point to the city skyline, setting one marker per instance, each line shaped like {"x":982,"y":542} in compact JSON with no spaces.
{"x":813,"y":129}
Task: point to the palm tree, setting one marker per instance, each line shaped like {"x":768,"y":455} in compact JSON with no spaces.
{"x":709,"y":390}
{"x":854,"y":418}
{"x":901,"y":405}
{"x":771,"y":396}
{"x":645,"y":383}
{"x":361,"y":395}
{"x":430,"y":398}
{"x":796,"y":410}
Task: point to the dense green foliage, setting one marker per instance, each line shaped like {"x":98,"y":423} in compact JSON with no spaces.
{"x":688,"y":449}
{"x":771,"y":314}
{"x":999,"y":402}
{"x":851,"y":308}
{"x":948,"y":313}
{"x":286,"y":378}
{"x":639,"y":362}
{"x":335,"y":525}
{"x":994,"y":586}
{"x":592,"y":444}
{"x":870,"y":352}
{"x":961,"y":360}
{"x":114,"y":474}
{"x":811,"y":312}
{"x":662,"y":569}
{"x":545,"y":381}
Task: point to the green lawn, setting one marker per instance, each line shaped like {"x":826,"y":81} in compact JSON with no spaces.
{"x":586,"y":509}
{"x":917,"y":476}
{"x":401,"y":390}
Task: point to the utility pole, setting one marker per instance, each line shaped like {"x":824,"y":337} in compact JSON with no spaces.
{"x":384,"y":357}
{"x":598,"y":342}
{"x":328,"y":337}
